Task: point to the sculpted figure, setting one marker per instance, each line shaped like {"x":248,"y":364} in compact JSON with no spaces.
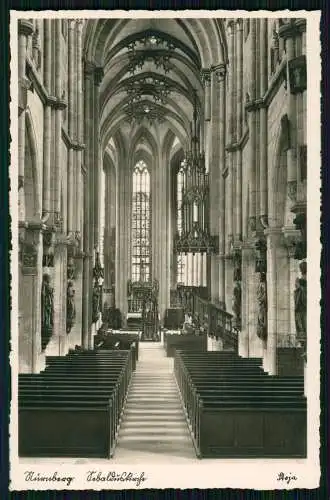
{"x":300,"y":308}
{"x":96,"y":304}
{"x":47,"y":303}
{"x":237,"y":302}
{"x":70,"y":306}
{"x":262,"y":308}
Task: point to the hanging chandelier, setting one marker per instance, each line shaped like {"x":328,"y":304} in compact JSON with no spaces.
{"x":195,"y":234}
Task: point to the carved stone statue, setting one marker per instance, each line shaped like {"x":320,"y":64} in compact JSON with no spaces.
{"x":96,"y":304}
{"x":47,"y":304}
{"x":262,"y":308}
{"x":237,"y":303}
{"x":70,"y":306}
{"x":300,"y":309}
{"x":237,"y":266}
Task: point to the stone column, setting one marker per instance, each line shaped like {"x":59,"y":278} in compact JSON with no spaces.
{"x":263,"y":208}
{"x":206,"y":80}
{"x":220,"y":74}
{"x":25,"y":29}
{"x":247,"y":257}
{"x":214,"y":171}
{"x":30,"y":240}
{"x":274,"y":236}
{"x":71,"y":125}
{"x":60,"y":253}
{"x":288,"y":32}
{"x":229,"y":133}
{"x":80,"y":121}
{"x":252,"y":130}
{"x":46,"y":203}
{"x":88,"y":213}
{"x":98,"y":75}
{"x":239,"y":127}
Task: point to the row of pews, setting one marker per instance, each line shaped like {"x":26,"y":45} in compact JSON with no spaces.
{"x":176,"y":340}
{"x":107,"y":339}
{"x":73,"y":408}
{"x":235,"y":410}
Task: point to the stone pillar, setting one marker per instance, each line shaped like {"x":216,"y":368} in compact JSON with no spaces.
{"x":71,"y":126}
{"x":46,"y":202}
{"x":274,"y":236}
{"x":239,"y":127}
{"x":214,"y":172}
{"x":58,"y":344}
{"x":288,"y":32}
{"x":243,"y":346}
{"x":206,"y":79}
{"x":80,"y":121}
{"x":30,"y":240}
{"x":88,"y":212}
{"x":220,"y":74}
{"x":263,"y":207}
{"x":123,"y":271}
{"x":25,"y":29}
{"x":252,"y":130}
{"x":229,"y":134}
{"x":98,"y":75}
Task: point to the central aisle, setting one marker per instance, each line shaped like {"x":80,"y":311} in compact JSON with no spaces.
{"x":153,"y":426}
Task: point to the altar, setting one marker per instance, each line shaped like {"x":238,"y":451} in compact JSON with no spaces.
{"x":143,"y":315}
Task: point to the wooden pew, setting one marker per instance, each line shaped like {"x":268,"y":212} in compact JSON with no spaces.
{"x":185,"y":342}
{"x":73,"y":407}
{"x":233,"y":407}
{"x":126,"y":342}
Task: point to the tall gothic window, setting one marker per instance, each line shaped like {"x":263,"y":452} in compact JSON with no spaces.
{"x":180,"y":257}
{"x":141,"y":224}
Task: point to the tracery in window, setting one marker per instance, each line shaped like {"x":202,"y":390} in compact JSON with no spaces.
{"x":180,"y":257}
{"x":141,"y":224}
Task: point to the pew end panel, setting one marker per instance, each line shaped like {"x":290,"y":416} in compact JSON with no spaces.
{"x":247,"y":433}
{"x":65,"y":432}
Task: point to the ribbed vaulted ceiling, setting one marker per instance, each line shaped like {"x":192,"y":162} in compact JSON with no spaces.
{"x":192,"y":44}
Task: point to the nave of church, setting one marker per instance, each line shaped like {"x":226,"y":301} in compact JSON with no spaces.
{"x":162,"y":207}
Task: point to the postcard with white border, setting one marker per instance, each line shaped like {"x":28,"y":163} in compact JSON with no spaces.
{"x":163,"y":168}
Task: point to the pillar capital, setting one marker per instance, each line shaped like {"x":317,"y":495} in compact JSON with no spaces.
{"x":220,"y":72}
{"x":25,"y":27}
{"x":239,"y":24}
{"x":98,"y":75}
{"x":230,"y":26}
{"x":72,"y":24}
{"x":89,"y":68}
{"x":288,"y":29}
{"x":206,"y":76}
{"x":275,"y":237}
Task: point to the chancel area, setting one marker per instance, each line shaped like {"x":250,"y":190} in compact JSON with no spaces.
{"x":162,"y":183}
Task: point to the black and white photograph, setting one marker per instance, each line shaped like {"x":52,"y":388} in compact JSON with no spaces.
{"x":165,"y":263}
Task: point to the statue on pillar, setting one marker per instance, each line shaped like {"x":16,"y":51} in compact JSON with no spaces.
{"x":96,"y":303}
{"x":47,"y":310}
{"x":237,"y":304}
{"x":70,"y":306}
{"x":300,"y":305}
{"x":262,"y":308}
{"x":47,"y":304}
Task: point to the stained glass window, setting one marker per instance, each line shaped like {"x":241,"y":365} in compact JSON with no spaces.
{"x":141,"y":223}
{"x":180,"y":257}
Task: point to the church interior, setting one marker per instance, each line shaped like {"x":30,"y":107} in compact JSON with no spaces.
{"x":162,"y":184}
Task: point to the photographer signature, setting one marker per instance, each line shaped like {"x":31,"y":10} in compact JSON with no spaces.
{"x":286,"y":477}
